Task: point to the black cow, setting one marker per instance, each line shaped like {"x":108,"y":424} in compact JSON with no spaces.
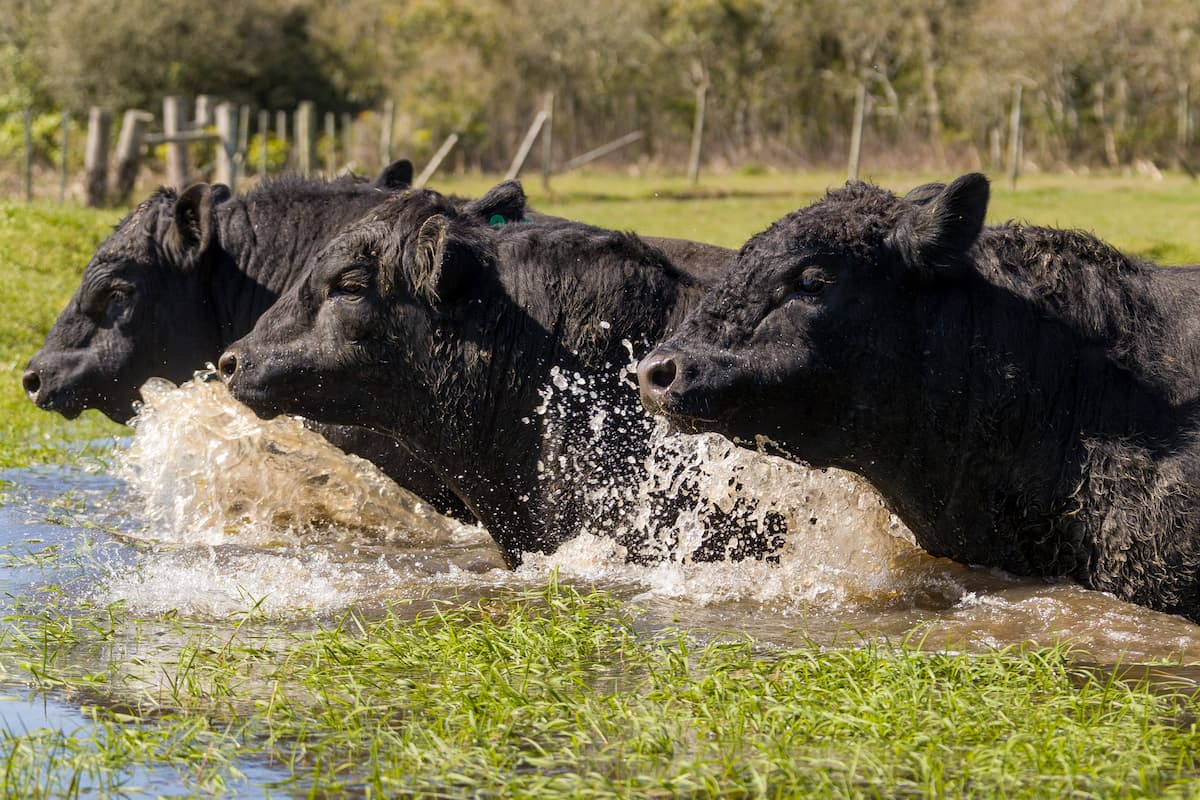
{"x":1023,"y":397}
{"x":426,"y":322}
{"x":183,"y":276}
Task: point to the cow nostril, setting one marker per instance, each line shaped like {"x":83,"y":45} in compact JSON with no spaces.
{"x":227,"y":366}
{"x":662,"y":374}
{"x":32,"y":382}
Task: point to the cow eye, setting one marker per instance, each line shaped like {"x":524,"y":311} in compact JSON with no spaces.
{"x":813,"y":281}
{"x":110,"y":302}
{"x":810,"y":283}
{"x":351,"y":286}
{"x":118,"y":297}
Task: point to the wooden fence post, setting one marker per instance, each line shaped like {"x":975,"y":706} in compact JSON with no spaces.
{"x":347,"y":140}
{"x":204,"y":111}
{"x":331,"y":144}
{"x":281,"y":133}
{"x":1183,"y":115}
{"x":64,"y":158}
{"x":243,"y":138}
{"x":305,"y":128}
{"x":436,"y":161}
{"x":697,"y":133}
{"x":227,"y":145}
{"x":1014,"y":140}
{"x":96,"y":157}
{"x":518,"y":161}
{"x":548,"y":141}
{"x":385,"y":134}
{"x":264,"y":133}
{"x":129,"y":152}
{"x":27,"y":119}
{"x":856,"y":131}
{"x":175,"y":123}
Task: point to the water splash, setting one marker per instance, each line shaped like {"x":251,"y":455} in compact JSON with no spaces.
{"x":211,"y":472}
{"x":248,"y":511}
{"x":239,"y":511}
{"x":776,"y":531}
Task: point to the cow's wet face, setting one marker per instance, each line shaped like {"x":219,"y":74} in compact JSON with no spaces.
{"x":376,"y":330}
{"x":308,"y":353}
{"x":812,"y":343}
{"x":141,"y":310}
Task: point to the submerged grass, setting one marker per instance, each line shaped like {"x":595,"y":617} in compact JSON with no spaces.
{"x":557,"y":694}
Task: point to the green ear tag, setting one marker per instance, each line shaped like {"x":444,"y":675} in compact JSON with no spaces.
{"x":496,"y":220}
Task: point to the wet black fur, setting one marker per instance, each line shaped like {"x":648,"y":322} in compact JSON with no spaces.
{"x":1023,"y":397}
{"x":195,"y":288}
{"x":425,"y":320}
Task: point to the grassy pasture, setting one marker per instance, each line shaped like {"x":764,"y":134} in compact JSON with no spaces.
{"x":559,"y":693}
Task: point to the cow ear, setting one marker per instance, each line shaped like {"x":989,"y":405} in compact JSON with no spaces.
{"x":942,"y":224}
{"x":503,"y":203}
{"x":924,"y":194}
{"x":441,"y":263}
{"x":195,"y":221}
{"x":396,"y":175}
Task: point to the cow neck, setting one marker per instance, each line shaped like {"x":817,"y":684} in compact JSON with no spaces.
{"x":506,"y":452}
{"x":511,"y":518}
{"x":993,"y":472}
{"x":237,"y":296}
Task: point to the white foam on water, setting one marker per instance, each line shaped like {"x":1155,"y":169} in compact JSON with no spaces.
{"x":212,"y":472}
{"x":834,"y":541}
{"x":241,"y":510}
{"x":244,"y":511}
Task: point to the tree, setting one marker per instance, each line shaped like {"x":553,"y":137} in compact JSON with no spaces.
{"x":130,"y":53}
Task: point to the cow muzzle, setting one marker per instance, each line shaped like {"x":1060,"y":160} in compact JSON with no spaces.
{"x":694,"y":392}
{"x":47,"y":389}
{"x":657,"y":372}
{"x":227,"y":365}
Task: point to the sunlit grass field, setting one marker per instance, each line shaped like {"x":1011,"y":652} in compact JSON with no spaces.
{"x":560,"y":693}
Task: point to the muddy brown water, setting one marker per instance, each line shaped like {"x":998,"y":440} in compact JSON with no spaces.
{"x":209,"y":510}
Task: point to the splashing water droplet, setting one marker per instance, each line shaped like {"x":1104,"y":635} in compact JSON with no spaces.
{"x":210,"y":471}
{"x":778,"y":529}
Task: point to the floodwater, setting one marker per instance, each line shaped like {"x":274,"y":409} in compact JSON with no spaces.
{"x":210,"y":510}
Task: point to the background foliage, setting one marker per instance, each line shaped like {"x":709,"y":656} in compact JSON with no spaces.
{"x":1105,"y":83}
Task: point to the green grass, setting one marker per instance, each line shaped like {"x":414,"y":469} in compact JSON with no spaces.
{"x":1160,"y":220}
{"x":559,"y":694}
{"x":43,"y":250}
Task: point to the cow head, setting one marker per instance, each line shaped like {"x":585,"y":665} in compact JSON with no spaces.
{"x":813,"y":341}
{"x":141,"y":309}
{"x":370,"y":336}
